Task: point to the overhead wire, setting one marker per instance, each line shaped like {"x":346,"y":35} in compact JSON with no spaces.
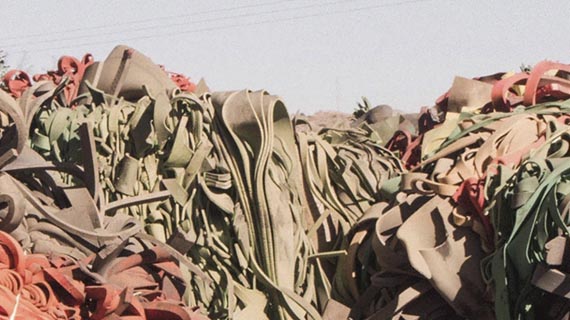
{"x":179,"y":24}
{"x":154,"y":19}
{"x":232,"y":26}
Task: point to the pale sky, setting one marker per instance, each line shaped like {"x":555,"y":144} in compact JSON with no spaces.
{"x":316,"y":55}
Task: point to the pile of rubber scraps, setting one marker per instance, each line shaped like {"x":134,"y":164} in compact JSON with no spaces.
{"x":229,"y":208}
{"x":85,"y":261}
{"x":127,"y":191}
{"x":67,"y":252}
{"x":145,"y":285}
{"x":478,"y":227}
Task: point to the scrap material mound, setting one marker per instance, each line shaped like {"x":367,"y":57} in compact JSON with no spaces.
{"x":130,"y":192}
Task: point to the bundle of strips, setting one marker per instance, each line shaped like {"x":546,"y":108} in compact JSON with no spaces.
{"x":239,"y":216}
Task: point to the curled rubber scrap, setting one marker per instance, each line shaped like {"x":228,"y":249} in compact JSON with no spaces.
{"x":16,"y":82}
{"x":73,"y":70}
{"x":546,"y":81}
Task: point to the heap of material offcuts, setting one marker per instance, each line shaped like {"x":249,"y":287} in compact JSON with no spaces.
{"x":128,"y":191}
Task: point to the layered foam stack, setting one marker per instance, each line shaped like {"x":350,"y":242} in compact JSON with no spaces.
{"x":130,"y":192}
